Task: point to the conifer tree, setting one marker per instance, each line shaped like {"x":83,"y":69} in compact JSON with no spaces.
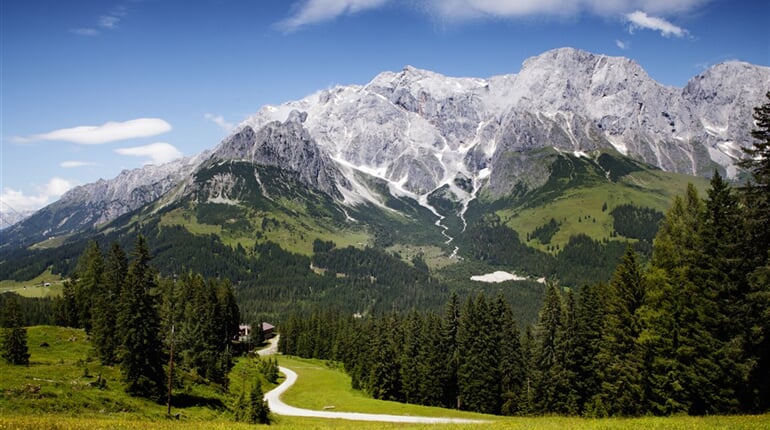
{"x":589,"y":321}
{"x":258,"y":410}
{"x":103,"y":333}
{"x":14,"y":336}
{"x":549,"y":374}
{"x":88,"y":283}
{"x":141,"y":350}
{"x":431,"y":362}
{"x":511,"y":367}
{"x":383,"y":380}
{"x":756,"y":199}
{"x":449,"y":325}
{"x":757,"y":192}
{"x":688,"y":372}
{"x":408,"y":364}
{"x":621,"y":358}
{"x":478,"y":363}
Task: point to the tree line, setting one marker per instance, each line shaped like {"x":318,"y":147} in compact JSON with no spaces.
{"x":133,"y":315}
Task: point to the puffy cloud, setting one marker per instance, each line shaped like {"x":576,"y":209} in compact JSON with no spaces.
{"x":157,"y":153}
{"x":622,"y":44}
{"x":640,"y":19}
{"x":314,"y":11}
{"x":220,"y":121}
{"x":108,"y":132}
{"x":18,"y":201}
{"x":74,"y":164}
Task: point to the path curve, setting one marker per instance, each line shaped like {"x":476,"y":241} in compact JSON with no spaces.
{"x":278,"y":407}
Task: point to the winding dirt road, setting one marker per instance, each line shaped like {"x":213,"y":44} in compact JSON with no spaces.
{"x":278,"y":407}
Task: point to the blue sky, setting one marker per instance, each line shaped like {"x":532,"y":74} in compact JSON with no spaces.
{"x":89,"y":88}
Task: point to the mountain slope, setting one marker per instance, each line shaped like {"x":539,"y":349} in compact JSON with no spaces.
{"x":415,"y":158}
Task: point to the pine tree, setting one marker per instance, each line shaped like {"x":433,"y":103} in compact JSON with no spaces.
{"x":477,"y":369}
{"x":103,"y":333}
{"x":14,"y":336}
{"x":621,"y":358}
{"x":383,"y":380}
{"x":408,"y":364}
{"x":141,"y":350}
{"x":431,"y":362}
{"x":449,"y":325}
{"x":258,"y":409}
{"x":549,"y":374}
{"x":757,"y":192}
{"x":688,"y":371}
{"x":511,"y":368}
{"x":88,"y":283}
{"x":756,"y":246}
{"x":589,"y":321}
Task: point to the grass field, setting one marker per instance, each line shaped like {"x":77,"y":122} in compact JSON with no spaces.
{"x":56,"y":392}
{"x":35,"y":287}
{"x":579,"y":210}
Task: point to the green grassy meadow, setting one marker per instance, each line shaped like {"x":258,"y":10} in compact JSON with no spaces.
{"x":579,"y":209}
{"x":34,"y":287}
{"x":58,"y":390}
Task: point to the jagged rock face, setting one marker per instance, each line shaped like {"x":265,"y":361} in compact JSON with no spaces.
{"x":287,"y":145}
{"x":92,"y":204}
{"x":420,"y":131}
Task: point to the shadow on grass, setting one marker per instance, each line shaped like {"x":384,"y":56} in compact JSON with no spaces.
{"x":184,"y":400}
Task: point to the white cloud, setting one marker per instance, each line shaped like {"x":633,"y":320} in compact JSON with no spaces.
{"x":85,"y":31}
{"x":74,"y":164}
{"x":468,"y":9}
{"x":108,"y":132}
{"x":46,"y":194}
{"x":315,"y":11}
{"x":157,"y":153}
{"x":220,"y":121}
{"x":639,"y":19}
{"x":306,"y":12}
{"x":623,"y":44}
{"x":108,"y":21}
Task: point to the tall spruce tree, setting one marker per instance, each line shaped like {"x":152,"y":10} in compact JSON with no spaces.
{"x":431,"y":362}
{"x":408,"y":364}
{"x":477,"y":369}
{"x":511,"y":367}
{"x":755,"y":308}
{"x":141,"y":350}
{"x":549,"y":374}
{"x":687,"y":372}
{"x":449,"y":325}
{"x":589,"y":321}
{"x":88,"y":283}
{"x":14,"y":336}
{"x":621,"y":358}
{"x":104,"y":319}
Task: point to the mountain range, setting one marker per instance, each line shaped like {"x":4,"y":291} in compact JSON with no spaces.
{"x":420,"y":146}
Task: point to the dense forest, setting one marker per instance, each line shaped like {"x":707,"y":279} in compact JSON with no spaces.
{"x":133,"y":315}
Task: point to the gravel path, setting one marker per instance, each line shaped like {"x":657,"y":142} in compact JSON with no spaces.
{"x":277,"y":406}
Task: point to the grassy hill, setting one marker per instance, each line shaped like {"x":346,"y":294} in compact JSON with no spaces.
{"x":581,"y":194}
{"x":60,"y":390}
